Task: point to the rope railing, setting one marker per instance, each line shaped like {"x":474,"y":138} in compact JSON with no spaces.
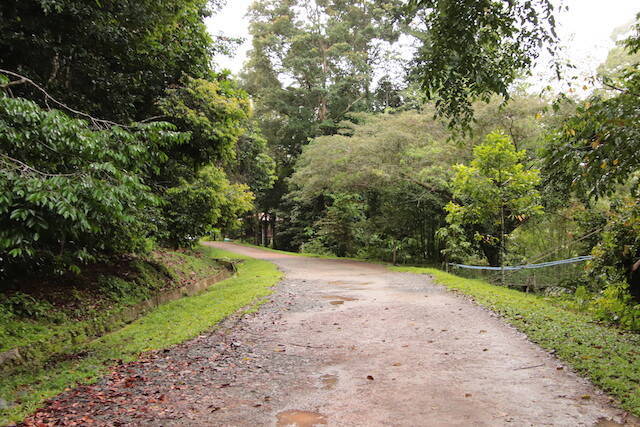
{"x":525,"y":266}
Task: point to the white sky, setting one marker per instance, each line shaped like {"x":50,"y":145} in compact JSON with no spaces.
{"x":584,"y":31}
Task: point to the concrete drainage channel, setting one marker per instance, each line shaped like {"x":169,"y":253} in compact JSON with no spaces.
{"x":32,"y":354}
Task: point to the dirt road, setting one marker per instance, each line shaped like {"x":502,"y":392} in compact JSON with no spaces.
{"x":351,"y":344}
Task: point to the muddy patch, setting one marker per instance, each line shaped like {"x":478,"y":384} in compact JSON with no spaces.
{"x":300,"y":419}
{"x":339,"y":298}
{"x":328,"y":381}
{"x":342,"y":283}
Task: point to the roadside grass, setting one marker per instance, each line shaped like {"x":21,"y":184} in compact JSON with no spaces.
{"x":607,"y":355}
{"x":165,"y":326}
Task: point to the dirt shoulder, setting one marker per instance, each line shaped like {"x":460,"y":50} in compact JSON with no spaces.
{"x":346,"y":343}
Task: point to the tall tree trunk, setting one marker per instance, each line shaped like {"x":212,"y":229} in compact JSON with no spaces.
{"x":323,"y":113}
{"x":256,"y":228}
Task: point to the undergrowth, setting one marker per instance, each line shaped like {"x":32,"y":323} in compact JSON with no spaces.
{"x":165,"y":326}
{"x":609,"y":356}
{"x":44,"y":310}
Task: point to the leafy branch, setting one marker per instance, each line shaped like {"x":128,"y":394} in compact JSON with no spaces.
{"x":98,"y":123}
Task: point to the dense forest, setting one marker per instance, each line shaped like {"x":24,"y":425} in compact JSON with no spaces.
{"x":119,"y":135}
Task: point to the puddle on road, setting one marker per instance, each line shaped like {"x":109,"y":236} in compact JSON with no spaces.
{"x":342,"y":282}
{"x":300,"y":419}
{"x":329,"y":381}
{"x":338,"y":297}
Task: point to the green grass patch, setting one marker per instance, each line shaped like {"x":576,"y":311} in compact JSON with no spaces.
{"x":165,"y":326}
{"x":607,"y":355}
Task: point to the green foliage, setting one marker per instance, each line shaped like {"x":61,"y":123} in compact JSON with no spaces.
{"x":315,"y":247}
{"x":75,"y":190}
{"x":613,"y":305}
{"x":575,"y":338}
{"x":70,"y":193}
{"x":616,"y":254}
{"x":110,"y":58}
{"x":524,"y":118}
{"x":593,"y":155}
{"x":494,"y":195}
{"x":559,"y":234}
{"x":199,"y":196}
{"x":122,"y":291}
{"x":254,"y":166}
{"x":312,"y":63}
{"x":193,"y":210}
{"x":595,"y":150}
{"x":214,"y":112}
{"x":392,"y":169}
{"x":336,"y":229}
{"x":474,"y":49}
{"x":20,"y":304}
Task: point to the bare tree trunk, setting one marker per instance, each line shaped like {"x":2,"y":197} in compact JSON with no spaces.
{"x":272,"y":221}
{"x":502,"y":244}
{"x":324,"y":110}
{"x":256,"y":228}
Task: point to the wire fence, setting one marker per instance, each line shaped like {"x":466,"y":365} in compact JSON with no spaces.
{"x":546,"y":276}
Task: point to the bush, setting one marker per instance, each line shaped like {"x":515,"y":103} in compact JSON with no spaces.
{"x":195,"y":209}
{"x":22,"y":305}
{"x":122,"y":291}
{"x":70,"y":193}
{"x":315,"y":247}
{"x":615,"y":305}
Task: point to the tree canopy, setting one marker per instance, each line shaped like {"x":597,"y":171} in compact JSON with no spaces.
{"x":472,"y":49}
{"x":492,"y":197}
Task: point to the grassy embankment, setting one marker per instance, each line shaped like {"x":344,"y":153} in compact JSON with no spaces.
{"x":167,"y":325}
{"x":81,"y":307}
{"x":607,"y":355}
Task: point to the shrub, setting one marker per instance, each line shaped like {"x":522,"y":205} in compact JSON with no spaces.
{"x":70,"y":192}
{"x":22,"y":305}
{"x":122,"y":291}
{"x":194,"y":209}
